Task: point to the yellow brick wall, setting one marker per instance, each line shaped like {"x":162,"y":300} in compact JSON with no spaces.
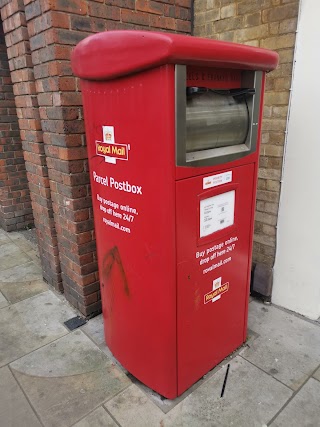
{"x":269,"y":24}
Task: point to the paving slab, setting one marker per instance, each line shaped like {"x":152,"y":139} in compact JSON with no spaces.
{"x":67,"y":379}
{"x":21,"y":273}
{"x":97,"y":418}
{"x":252,"y":398}
{"x":15,"y":410}
{"x":94,"y":329}
{"x":24,"y":245}
{"x":12,"y":256}
{"x":18,"y":291}
{"x":26,"y":240}
{"x":133,"y":408}
{"x":35,"y":256}
{"x":288,"y":347}
{"x":30,"y":324}
{"x":3,"y":301}
{"x":18,"y":235}
{"x":14,"y":234}
{"x":4,"y":239}
{"x":317,"y":374}
{"x":31,"y":236}
{"x":303,"y":409}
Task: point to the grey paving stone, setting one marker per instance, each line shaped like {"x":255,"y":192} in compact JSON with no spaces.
{"x":97,"y":418}
{"x":34,"y":255}
{"x":19,"y":291}
{"x":30,"y":324}
{"x":3,"y":301}
{"x":21,"y":273}
{"x":14,"y":235}
{"x":4,"y":239}
{"x":24,"y":245}
{"x":288,"y":347}
{"x":304,"y":408}
{"x":12,"y":256}
{"x":20,"y":235}
{"x":15,"y":410}
{"x":71,"y":355}
{"x":31,"y":236}
{"x":67,"y":379}
{"x":317,"y":374}
{"x":94,"y":329}
{"x":133,"y":408}
{"x":251,"y":398}
{"x":167,"y":405}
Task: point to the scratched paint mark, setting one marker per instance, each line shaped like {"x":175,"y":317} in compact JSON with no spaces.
{"x":197,"y":299}
{"x":113,"y":278}
{"x":100,"y":160}
{"x":111,"y":257}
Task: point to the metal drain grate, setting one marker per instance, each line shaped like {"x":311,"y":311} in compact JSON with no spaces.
{"x":75,"y":322}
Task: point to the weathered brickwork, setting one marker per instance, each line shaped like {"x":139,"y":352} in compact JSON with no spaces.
{"x":27,"y":110}
{"x":41,"y":35}
{"x":269,"y":24}
{"x":15,"y":204}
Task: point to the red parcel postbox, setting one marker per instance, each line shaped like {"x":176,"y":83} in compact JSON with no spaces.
{"x":173,"y":127}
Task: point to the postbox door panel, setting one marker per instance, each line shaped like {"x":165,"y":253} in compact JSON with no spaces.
{"x":131,"y":171}
{"x":214,"y":219}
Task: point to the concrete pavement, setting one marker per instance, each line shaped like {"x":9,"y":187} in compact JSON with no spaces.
{"x":50,"y":376}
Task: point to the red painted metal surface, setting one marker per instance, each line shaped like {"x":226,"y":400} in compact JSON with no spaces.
{"x":117,"y":53}
{"x":137,"y":263}
{"x":208,"y":331}
{"x":164,"y":319}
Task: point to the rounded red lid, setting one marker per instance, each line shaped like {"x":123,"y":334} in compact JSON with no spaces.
{"x":112,"y":54}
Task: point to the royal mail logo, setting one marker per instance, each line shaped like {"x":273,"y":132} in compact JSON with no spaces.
{"x":109,"y":149}
{"x":117,"y":151}
{"x":215,"y":294}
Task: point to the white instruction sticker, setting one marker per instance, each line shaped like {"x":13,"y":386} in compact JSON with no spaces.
{"x":216,"y":213}
{"x":108,"y":134}
{"x":216,"y":284}
{"x":214,"y":180}
{"x":108,"y":137}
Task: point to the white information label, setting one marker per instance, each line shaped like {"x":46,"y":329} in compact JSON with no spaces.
{"x":214,"y":180}
{"x":216,"y":284}
{"x":108,"y":136}
{"x":216,"y":213}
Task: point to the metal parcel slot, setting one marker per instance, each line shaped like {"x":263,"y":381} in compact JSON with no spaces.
{"x":215,"y":120}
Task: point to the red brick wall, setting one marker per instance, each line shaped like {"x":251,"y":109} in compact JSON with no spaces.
{"x":21,"y":67}
{"x":15,"y":204}
{"x":58,"y":147}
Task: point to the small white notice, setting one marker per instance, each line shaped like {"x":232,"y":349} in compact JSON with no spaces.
{"x":218,"y":179}
{"x":216,"y":284}
{"x":108,"y":134}
{"x":108,"y":137}
{"x":217,"y":213}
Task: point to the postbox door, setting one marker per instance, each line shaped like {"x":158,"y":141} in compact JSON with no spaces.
{"x":214,"y":219}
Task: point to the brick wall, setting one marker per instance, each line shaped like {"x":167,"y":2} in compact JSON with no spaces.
{"x":269,"y":24}
{"x":22,"y":75}
{"x":43,"y":34}
{"x":15,"y":204}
